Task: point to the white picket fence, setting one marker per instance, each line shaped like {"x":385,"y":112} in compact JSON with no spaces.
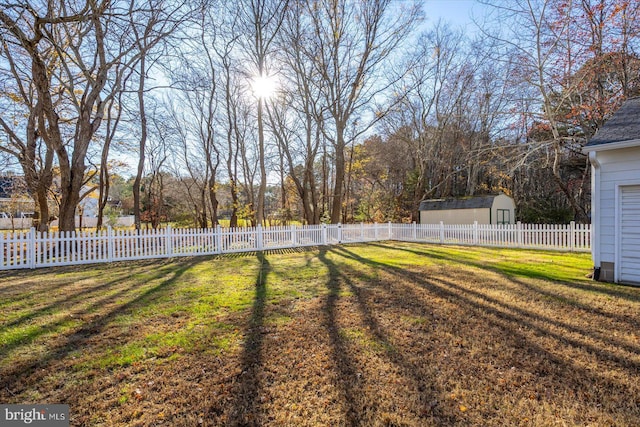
{"x":32,"y":249}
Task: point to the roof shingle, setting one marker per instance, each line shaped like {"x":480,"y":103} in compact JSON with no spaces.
{"x":624,"y":125}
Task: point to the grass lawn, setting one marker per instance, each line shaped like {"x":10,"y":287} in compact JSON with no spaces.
{"x":376,"y":334}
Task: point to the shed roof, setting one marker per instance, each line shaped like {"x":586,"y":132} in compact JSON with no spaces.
{"x":477,"y":202}
{"x":624,"y":125}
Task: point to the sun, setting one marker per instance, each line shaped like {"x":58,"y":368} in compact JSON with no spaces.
{"x":264,"y":86}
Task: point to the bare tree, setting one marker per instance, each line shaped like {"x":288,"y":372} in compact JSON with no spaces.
{"x":432,"y":118}
{"x":22,"y":140}
{"x":64,"y":31}
{"x":563,"y":49}
{"x":112,"y":120}
{"x":153,"y":201}
{"x":231,"y":104}
{"x":296,"y":116}
{"x":72,"y":50}
{"x":351,"y":45}
{"x":148,"y":28}
{"x":262,"y":20}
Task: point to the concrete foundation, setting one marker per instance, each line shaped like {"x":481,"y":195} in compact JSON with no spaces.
{"x":606,"y":272}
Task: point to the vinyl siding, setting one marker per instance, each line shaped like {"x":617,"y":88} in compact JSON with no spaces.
{"x":455,"y":216}
{"x":617,"y":167}
{"x":630,"y":235}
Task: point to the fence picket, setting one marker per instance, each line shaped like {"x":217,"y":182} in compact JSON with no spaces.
{"x":34,"y":249}
{"x":3,"y":252}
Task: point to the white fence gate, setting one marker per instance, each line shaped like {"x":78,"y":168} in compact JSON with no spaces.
{"x":33,"y":249}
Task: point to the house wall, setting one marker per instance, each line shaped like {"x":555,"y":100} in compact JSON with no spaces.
{"x":89,"y":222}
{"x":503,"y":202}
{"x":16,"y":223}
{"x":455,"y":216}
{"x":615,"y":168}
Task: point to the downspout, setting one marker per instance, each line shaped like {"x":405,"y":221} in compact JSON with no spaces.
{"x":595,"y":213}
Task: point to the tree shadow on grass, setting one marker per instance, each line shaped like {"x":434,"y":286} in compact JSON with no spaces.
{"x":68,"y":300}
{"x":514,"y":313}
{"x":343,"y":364}
{"x":24,"y":284}
{"x":17,"y":377}
{"x":516,"y":273}
{"x":357,"y":408}
{"x":266,"y":252}
{"x":518,"y":323}
{"x":245,"y":410}
{"x":631,"y":293}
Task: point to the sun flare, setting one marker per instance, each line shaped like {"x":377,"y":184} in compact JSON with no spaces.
{"x":264,"y":86}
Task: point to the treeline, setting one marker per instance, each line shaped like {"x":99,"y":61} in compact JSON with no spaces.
{"x":322,"y":110}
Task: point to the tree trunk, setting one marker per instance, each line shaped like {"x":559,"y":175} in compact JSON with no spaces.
{"x":262,"y":189}
{"x":233,"y":221}
{"x":43,"y":207}
{"x":214,"y":202}
{"x":338,"y":187}
{"x":69,"y":202}
{"x":325,"y":183}
{"x":103,"y":193}
{"x":142,"y":145}
{"x":71,"y":180}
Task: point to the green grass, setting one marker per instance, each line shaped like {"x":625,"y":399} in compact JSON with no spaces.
{"x":62,"y":329}
{"x":187,"y":300}
{"x":548,"y":265}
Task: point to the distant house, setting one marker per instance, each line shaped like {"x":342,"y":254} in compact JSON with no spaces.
{"x":496,"y":209}
{"x":8,"y":185}
{"x":14,"y":198}
{"x":614,"y":153}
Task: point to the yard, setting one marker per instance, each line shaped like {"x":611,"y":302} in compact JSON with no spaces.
{"x":368,"y":334}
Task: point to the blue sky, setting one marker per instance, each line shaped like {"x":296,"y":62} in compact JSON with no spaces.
{"x":457,"y":12}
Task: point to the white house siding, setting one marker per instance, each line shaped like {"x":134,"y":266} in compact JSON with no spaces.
{"x":629,"y":232}
{"x":618,"y":168}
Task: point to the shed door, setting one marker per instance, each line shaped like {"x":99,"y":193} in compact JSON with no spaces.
{"x":630,"y":234}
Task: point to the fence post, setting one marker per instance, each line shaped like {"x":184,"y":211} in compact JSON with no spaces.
{"x":109,"y":244}
{"x":294,"y":239}
{"x":441,"y":232}
{"x":362,"y":231}
{"x":324,"y":234}
{"x":475,"y":233}
{"x":414,"y":231}
{"x":259,"y":237}
{"x":572,"y":236}
{"x":218,"y":238}
{"x":519,"y":233}
{"x":390,"y":231}
{"x":31,"y":247}
{"x":339,"y":233}
{"x":375,"y":231}
{"x":169,"y":241}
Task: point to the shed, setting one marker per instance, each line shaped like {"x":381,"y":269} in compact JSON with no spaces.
{"x":614,"y":153}
{"x":494,"y":209}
